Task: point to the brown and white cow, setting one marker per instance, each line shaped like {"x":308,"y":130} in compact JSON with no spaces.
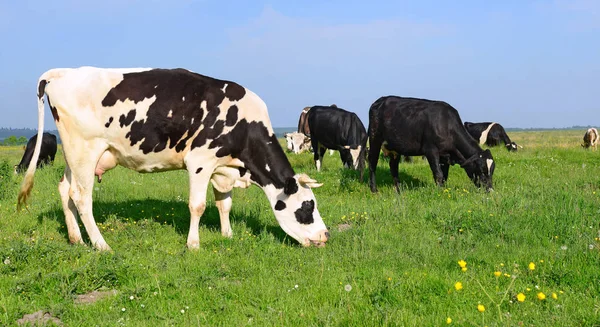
{"x":153,"y":120}
{"x":297,"y":142}
{"x":590,"y":139}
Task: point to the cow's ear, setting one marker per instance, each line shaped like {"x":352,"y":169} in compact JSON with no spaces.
{"x":304,"y":180}
{"x":291,"y":186}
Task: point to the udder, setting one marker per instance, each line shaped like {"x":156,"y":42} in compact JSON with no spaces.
{"x":107,"y":162}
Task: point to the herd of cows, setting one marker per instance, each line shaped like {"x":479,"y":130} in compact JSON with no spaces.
{"x":153,"y":120}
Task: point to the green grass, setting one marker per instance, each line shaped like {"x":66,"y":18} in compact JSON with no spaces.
{"x":399,"y":257}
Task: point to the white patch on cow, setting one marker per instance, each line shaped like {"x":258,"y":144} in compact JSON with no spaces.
{"x":489,"y":164}
{"x":318,"y":163}
{"x":192,"y":121}
{"x":513,"y":146}
{"x":484,"y":134}
{"x":170,"y":114}
{"x":355,"y":153}
{"x":182,"y":98}
{"x":267,"y":167}
{"x":155,"y":86}
{"x":224,"y":87}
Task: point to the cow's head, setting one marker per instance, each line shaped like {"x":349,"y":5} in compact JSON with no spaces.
{"x":353,"y":157}
{"x":512,"y":146}
{"x":289,"y":141}
{"x":296,"y":211}
{"x":480,"y":168}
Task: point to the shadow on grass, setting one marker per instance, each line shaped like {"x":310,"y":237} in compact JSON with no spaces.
{"x":173,"y":213}
{"x":383,"y":178}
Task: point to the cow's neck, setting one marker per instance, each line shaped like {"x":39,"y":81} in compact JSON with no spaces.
{"x":467,"y":146}
{"x":268,"y":165}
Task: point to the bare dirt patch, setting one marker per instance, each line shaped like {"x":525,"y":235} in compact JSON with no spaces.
{"x":40,"y":318}
{"x":94,"y":296}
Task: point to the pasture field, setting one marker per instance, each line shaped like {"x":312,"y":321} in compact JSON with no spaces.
{"x":392,"y":260}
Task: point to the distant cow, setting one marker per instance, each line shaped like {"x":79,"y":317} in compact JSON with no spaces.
{"x":297,"y":142}
{"x":410,"y":126}
{"x":303,"y":120}
{"x":152,"y":120}
{"x":490,"y":134}
{"x":590,"y":139}
{"x":338,"y":129}
{"x":47,"y":152}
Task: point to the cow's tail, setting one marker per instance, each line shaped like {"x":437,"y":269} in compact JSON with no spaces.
{"x":27,"y":184}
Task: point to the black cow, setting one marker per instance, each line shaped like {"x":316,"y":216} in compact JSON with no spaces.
{"x":410,"y":126}
{"x":47,"y":152}
{"x":490,"y":134}
{"x":337,"y":129}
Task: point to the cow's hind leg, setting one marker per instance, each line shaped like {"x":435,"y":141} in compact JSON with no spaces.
{"x":82,"y":162}
{"x":223,"y":203}
{"x":445,"y":167}
{"x":69,"y":208}
{"x":198,"y":185}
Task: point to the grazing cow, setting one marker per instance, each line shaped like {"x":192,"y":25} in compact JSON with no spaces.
{"x":47,"y":152}
{"x":590,"y":139}
{"x":152,"y":120}
{"x":338,"y":129}
{"x":490,"y":134}
{"x":410,"y":126}
{"x":297,"y":142}
{"x":303,"y":123}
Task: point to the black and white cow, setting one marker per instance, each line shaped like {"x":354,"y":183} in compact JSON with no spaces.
{"x":590,"y":139}
{"x":47,"y":152}
{"x":153,"y":120}
{"x":490,"y":134}
{"x":337,"y":129}
{"x":297,"y":142}
{"x":410,"y":126}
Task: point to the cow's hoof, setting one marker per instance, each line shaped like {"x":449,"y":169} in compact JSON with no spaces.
{"x":228,"y":234}
{"x":193,"y":246}
{"x":103,"y":247}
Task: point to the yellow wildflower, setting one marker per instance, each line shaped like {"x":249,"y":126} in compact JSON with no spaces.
{"x":554,"y":296}
{"x":541,"y":296}
{"x":531,"y":266}
{"x":480,"y":308}
{"x":462,"y":263}
{"x":458,"y":286}
{"x":497,"y":273}
{"x":448,"y":320}
{"x":463,"y":269}
{"x":521,"y":297}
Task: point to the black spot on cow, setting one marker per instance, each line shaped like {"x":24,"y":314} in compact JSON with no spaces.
{"x":234,"y":92}
{"x":242,"y":171}
{"x":41,"y":88}
{"x":304,"y":214}
{"x":110,"y":120}
{"x":198,"y":170}
{"x":126,"y":120}
{"x":232,"y":116}
{"x":291,"y":186}
{"x":169,"y":86}
{"x":280,"y":205}
{"x":53,"y":111}
{"x":255,"y":147}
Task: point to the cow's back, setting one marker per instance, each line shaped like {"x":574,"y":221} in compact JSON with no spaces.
{"x":408,"y":123}
{"x":151,"y":118}
{"x":335,"y":127}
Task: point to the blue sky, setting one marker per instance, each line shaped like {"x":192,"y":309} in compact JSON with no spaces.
{"x":517,"y":62}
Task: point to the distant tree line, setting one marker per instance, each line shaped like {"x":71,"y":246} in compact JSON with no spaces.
{"x":19,"y":136}
{"x":13,"y":140}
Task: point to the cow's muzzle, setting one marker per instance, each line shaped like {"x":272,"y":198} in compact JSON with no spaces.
{"x":319,"y":240}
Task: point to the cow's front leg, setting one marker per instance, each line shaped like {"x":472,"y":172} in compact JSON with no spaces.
{"x":434,"y":163}
{"x":198,"y":185}
{"x":223,"y":203}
